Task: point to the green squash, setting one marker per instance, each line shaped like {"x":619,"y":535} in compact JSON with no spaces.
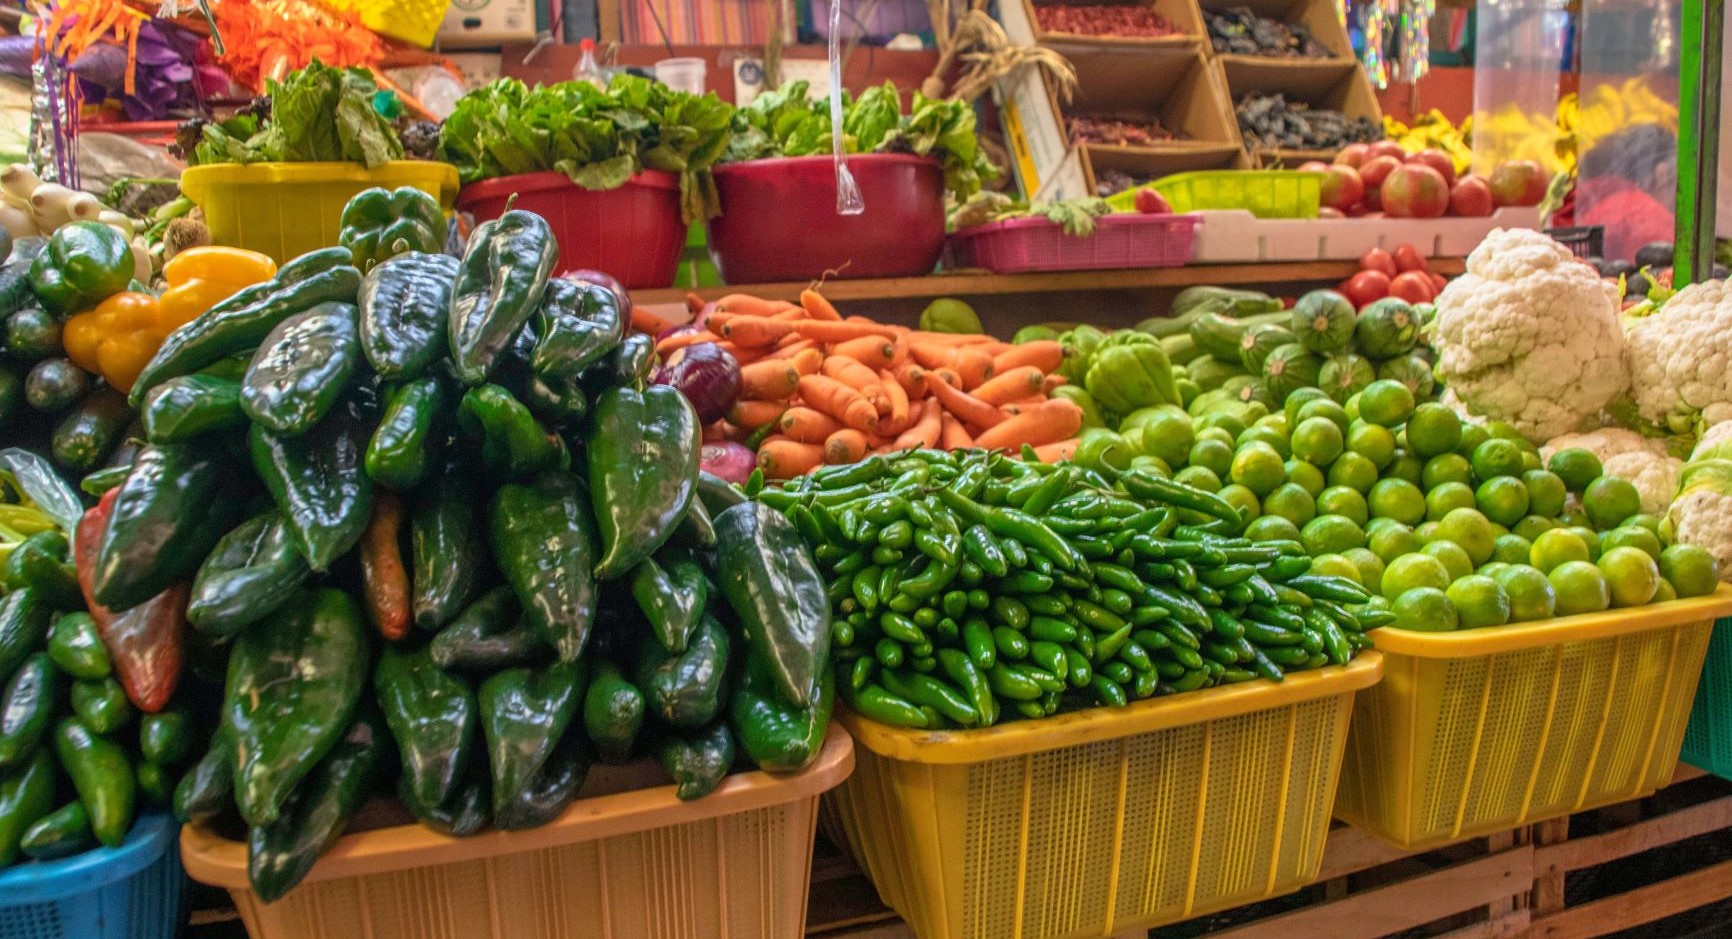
{"x":1413,"y":371}
{"x":1345,"y":375}
{"x":1210,"y":372}
{"x":1323,"y":321}
{"x":1289,"y":368}
{"x":1259,"y":341}
{"x":1385,"y":329}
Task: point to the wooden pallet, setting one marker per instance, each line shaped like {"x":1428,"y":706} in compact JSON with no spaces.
{"x":1503,"y":886}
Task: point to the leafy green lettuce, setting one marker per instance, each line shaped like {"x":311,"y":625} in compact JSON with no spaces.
{"x":317,"y":114}
{"x":599,"y":138}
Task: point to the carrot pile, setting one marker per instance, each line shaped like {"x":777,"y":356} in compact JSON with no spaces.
{"x":835,"y":390}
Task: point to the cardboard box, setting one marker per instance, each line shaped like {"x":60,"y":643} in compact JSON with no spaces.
{"x":1318,"y":16}
{"x":1144,"y":165}
{"x":1340,"y":86}
{"x":1181,"y":13}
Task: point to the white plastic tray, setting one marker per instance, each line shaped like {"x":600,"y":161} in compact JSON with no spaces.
{"x":1237,"y":235}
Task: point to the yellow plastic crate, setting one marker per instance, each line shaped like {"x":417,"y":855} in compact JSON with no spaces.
{"x":1101,"y":821}
{"x":287,"y":209}
{"x":632,"y":864}
{"x":1263,"y":193}
{"x":1483,"y":730}
{"x":413,"y":21}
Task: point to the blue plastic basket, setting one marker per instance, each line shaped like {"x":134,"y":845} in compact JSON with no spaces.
{"x":134,"y":891}
{"x":1708,"y":738}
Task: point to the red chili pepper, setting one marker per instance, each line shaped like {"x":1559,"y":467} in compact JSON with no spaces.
{"x":146,"y":643}
{"x":382,"y":572}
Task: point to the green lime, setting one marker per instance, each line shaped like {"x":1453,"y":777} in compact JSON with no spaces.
{"x":1308,"y":477}
{"x":1351,"y":406}
{"x":1503,"y":499}
{"x":1291,"y":502}
{"x":1643,"y":520}
{"x":1504,"y":430}
{"x":1324,"y":407}
{"x":1386,"y":402}
{"x":1472,"y":435}
{"x":1490,"y":568}
{"x":1168,"y":435}
{"x":1692,"y":571}
{"x":1532,"y":526}
{"x":1199,"y":477}
{"x":1455,"y":558}
{"x":1372,"y":442}
{"x":1271,"y":528}
{"x":1556,"y":547}
{"x":1276,"y":440}
{"x":1425,"y":609}
{"x":1496,"y":457}
{"x":1413,"y":570}
{"x":1546,"y":492}
{"x":1212,"y":454}
{"x":1512,"y":549}
{"x":1573,"y":517}
{"x":1632,"y":575}
{"x":1666,"y":592}
{"x":1446,"y":468}
{"x":1392,"y":541}
{"x":1243,"y":499}
{"x":1334,"y":565}
{"x":1471,"y":530}
{"x":1398,"y":499}
{"x":1340,"y":500}
{"x":1258,"y":468}
{"x":1479,"y":601}
{"x":1222,"y":421}
{"x":1406,"y":465}
{"x":1317,"y":441}
{"x":1276,"y":422}
{"x":1425,"y":532}
{"x":1446,"y":498}
{"x":1588,"y":537}
{"x":1531,"y":461}
{"x":1214,"y":433}
{"x":1530,"y":593}
{"x":1297,"y":399}
{"x":1152,"y":464}
{"x":1433,"y":429}
{"x":1580,"y":588}
{"x":1609,"y":500}
{"x":1327,"y":534}
{"x":1631,"y":536}
{"x":1370,"y":567}
{"x":1353,"y":471}
{"x":1576,"y":467}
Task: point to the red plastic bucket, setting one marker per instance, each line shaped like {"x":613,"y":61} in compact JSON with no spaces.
{"x":779,"y":220}
{"x":633,"y":232}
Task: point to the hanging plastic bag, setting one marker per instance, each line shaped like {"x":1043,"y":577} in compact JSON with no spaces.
{"x":848,"y":199}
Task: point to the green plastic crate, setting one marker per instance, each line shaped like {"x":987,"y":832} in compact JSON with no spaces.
{"x":1708,"y":738}
{"x":1264,"y":193}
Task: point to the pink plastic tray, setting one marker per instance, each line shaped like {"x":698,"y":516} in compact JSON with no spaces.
{"x":1128,"y":240}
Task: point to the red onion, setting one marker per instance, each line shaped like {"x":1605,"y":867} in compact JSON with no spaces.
{"x":702,"y":319}
{"x":706,"y":374}
{"x":604,"y":280}
{"x":731,"y":461}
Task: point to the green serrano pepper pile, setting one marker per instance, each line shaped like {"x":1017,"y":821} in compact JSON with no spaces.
{"x":432,"y":532}
{"x":969,"y":587}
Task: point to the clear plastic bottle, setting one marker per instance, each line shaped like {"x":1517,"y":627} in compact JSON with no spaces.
{"x":587,"y":70}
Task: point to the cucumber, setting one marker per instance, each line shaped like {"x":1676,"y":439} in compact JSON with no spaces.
{"x":1218,"y":335}
{"x":1180,"y":348}
{"x":32,"y":334}
{"x":14,"y":286}
{"x":91,"y":431}
{"x":55,"y":385}
{"x":1210,"y":373}
{"x":1224,"y":300}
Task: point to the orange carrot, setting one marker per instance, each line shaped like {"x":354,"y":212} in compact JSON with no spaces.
{"x":1054,"y":452}
{"x":751,"y":415}
{"x":895,"y":394}
{"x":694,"y":303}
{"x":1022,"y":404}
{"x":849,"y":372}
{"x":769,"y":380}
{"x":845,"y":446}
{"x":876,"y":351}
{"x":807,"y":425}
{"x":791,"y":349}
{"x":1045,"y":354}
{"x":908,"y":375}
{"x":745,"y":305}
{"x":899,"y":351}
{"x":781,"y":458}
{"x":1053,"y":381}
{"x":954,"y":436}
{"x":808,"y":361}
{"x":817,"y":307}
{"x":827,"y":331}
{"x":1049,"y":423}
{"x":644,"y":321}
{"x":839,"y":401}
{"x":963,"y":405}
{"x":921,"y":337}
{"x":732,"y":432}
{"x":926,"y":431}
{"x":755,"y":330}
{"x":930,"y":355}
{"x":684,"y":339}
{"x":973,"y":365}
{"x":1012,"y":385}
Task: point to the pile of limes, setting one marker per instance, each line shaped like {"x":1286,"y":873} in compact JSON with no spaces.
{"x":1454,"y":525}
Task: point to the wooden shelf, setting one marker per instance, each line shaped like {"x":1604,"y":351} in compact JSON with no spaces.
{"x":974,"y":283}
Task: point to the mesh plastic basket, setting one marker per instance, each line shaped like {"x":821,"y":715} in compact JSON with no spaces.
{"x":130,"y":892}
{"x":1103,"y":821}
{"x":1484,"y":730}
{"x":1263,"y":193}
{"x":1708,"y":738}
{"x":1019,"y":245}
{"x":413,"y":21}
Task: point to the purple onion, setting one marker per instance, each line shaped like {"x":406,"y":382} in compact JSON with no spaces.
{"x":706,"y":374}
{"x":731,"y":461}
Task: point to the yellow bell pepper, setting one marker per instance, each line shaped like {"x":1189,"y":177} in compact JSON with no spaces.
{"x":200,"y":278}
{"x":116,"y":339}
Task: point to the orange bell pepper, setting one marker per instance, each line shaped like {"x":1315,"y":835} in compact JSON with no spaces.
{"x":200,"y":278}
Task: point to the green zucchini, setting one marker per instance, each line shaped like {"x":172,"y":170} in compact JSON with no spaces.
{"x":55,"y":385}
{"x":1218,"y":335}
{"x":1210,"y":372}
{"x":92,"y":430}
{"x":33,"y":334}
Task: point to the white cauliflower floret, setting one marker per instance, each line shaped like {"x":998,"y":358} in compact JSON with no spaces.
{"x":1605,"y":443}
{"x":1530,"y":336}
{"x":1655,"y":476}
{"x":1702,"y":513}
{"x":1681,"y":359}
{"x":1714,"y":442}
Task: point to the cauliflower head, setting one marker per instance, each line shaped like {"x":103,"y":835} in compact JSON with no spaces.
{"x":1681,"y":359}
{"x":1702,"y":513}
{"x":1530,"y":336}
{"x":1605,"y":443}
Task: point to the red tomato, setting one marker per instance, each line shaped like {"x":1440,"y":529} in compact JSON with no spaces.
{"x":1470,"y":197}
{"x":1388,"y":148}
{"x":1437,"y":281}
{"x":1437,"y":160}
{"x":1412,"y":286}
{"x":1329,"y":211}
{"x":1353,"y":154}
{"x":1408,"y":258}
{"x":1150,"y":202}
{"x":1313,"y":166}
{"x":1365,"y":288}
{"x":1378,"y":259}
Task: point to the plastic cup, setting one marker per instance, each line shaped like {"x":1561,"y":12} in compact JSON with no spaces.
{"x":685,"y":73}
